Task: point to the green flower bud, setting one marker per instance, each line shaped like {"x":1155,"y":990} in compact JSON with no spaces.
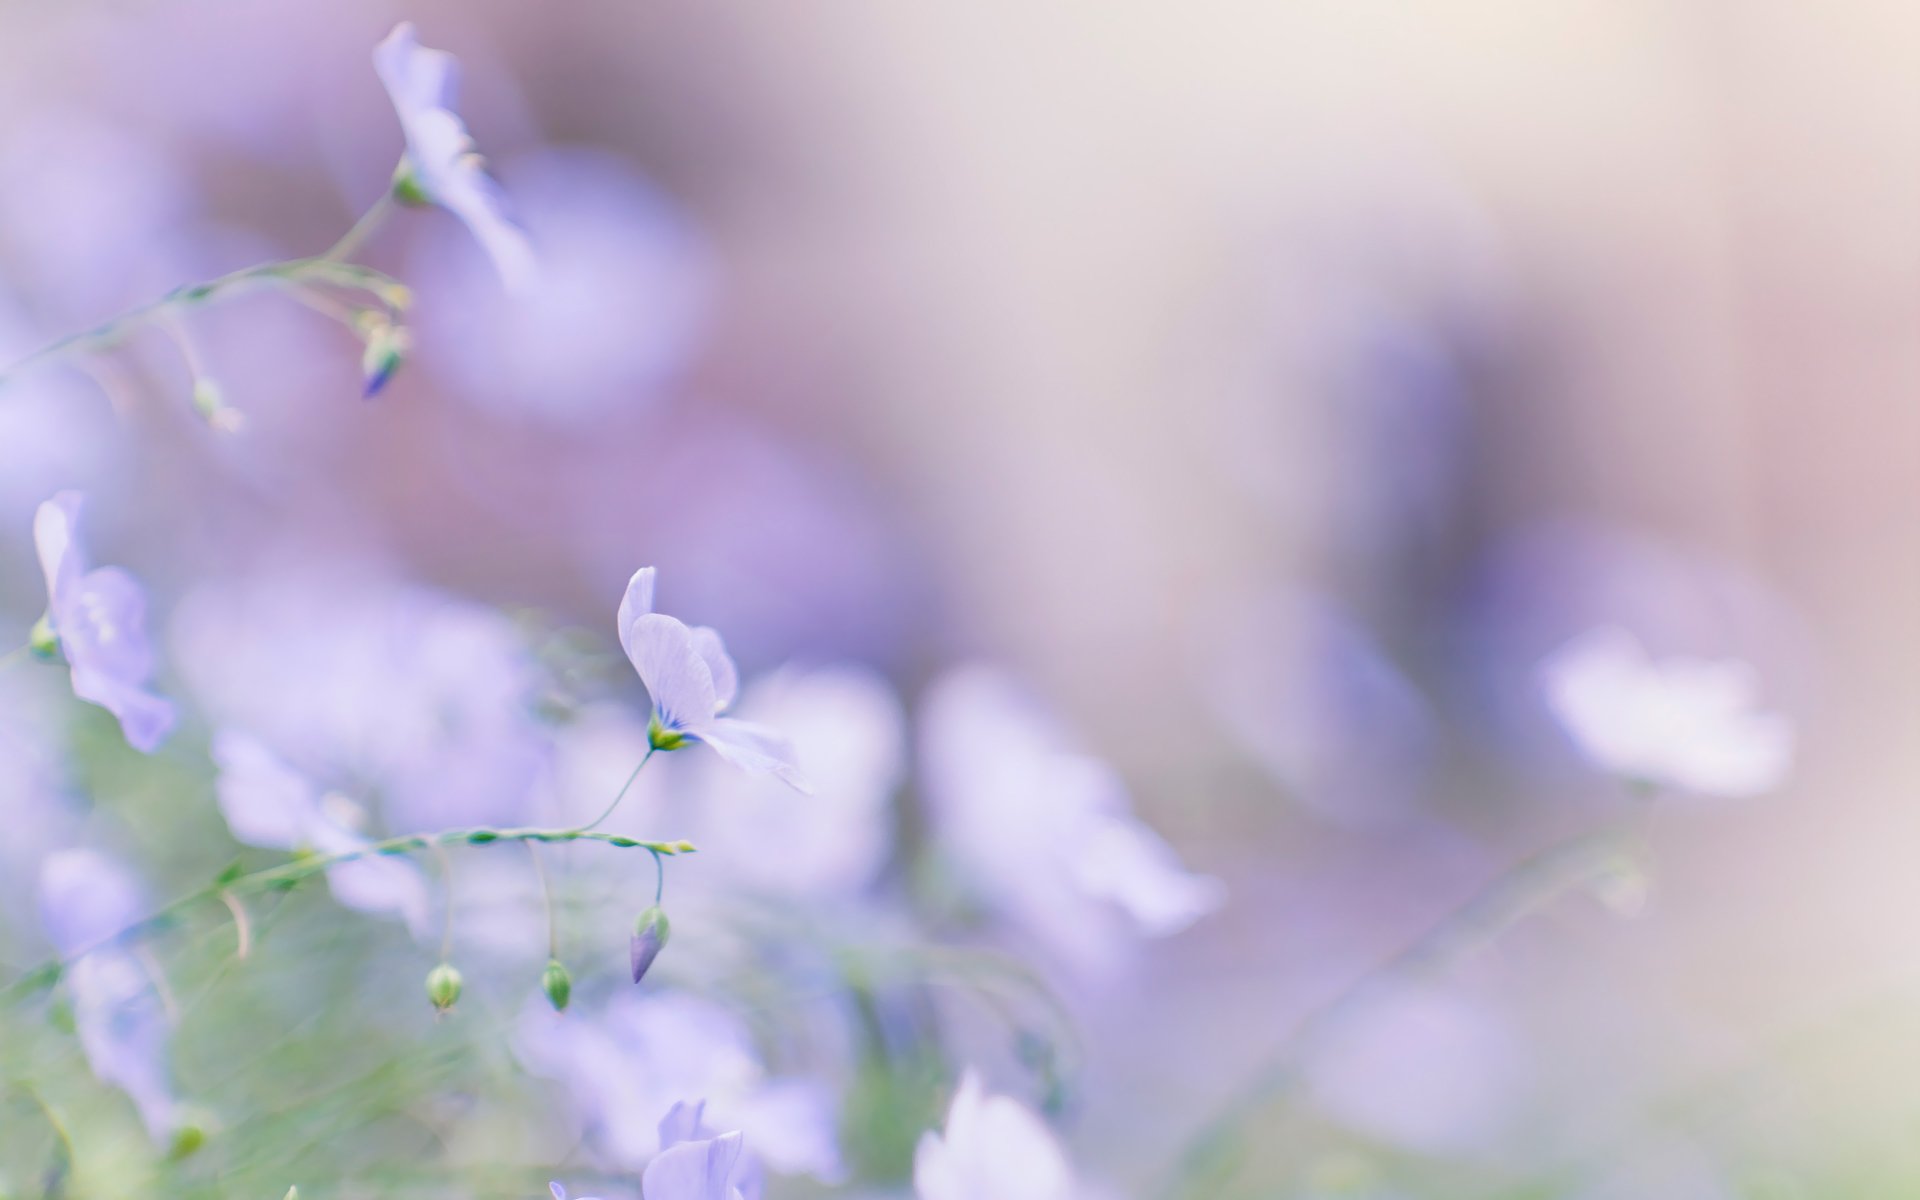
{"x":42,"y":641}
{"x":443,"y":986}
{"x":407,"y":189}
{"x":650,"y":932}
{"x":194,"y":1128}
{"x":557,"y":984}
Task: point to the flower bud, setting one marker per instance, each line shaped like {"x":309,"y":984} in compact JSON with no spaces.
{"x":387,"y":346}
{"x":407,"y":188}
{"x":213,"y":407}
{"x":443,"y":986}
{"x":191,"y":1130}
{"x":42,"y":641}
{"x":557,"y":984}
{"x":650,"y":931}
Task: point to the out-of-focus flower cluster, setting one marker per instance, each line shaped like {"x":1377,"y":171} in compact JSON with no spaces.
{"x":852,"y":912}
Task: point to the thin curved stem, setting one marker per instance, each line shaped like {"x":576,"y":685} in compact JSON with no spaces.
{"x":289,"y":273}
{"x":446,"y":903}
{"x":659,"y":878}
{"x":621,"y":794}
{"x":546,"y":890}
{"x":1214,"y":1153}
{"x":364,"y":228}
{"x":288,"y":874}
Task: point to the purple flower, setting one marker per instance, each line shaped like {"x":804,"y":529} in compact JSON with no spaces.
{"x":442,"y":165}
{"x":692,"y":681}
{"x":850,"y":735}
{"x":1045,"y":832}
{"x":267,"y":803}
{"x":695,"y":1163}
{"x":99,"y":617}
{"x":85,"y":899}
{"x":1686,"y":723}
{"x":621,"y":300}
{"x":635,"y":1058}
{"x":420,"y":697}
{"x":993,"y":1146}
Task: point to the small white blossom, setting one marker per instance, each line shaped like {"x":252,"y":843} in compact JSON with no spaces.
{"x":1687,"y":723}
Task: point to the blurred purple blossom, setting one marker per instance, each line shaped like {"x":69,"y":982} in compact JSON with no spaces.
{"x":1045,"y":833}
{"x":695,"y":1163}
{"x":87,"y":898}
{"x":621,"y":298}
{"x":1546,"y":582}
{"x":420,"y":699}
{"x":1427,"y":1068}
{"x":992,"y":1146}
{"x":849,"y":736}
{"x":99,"y":616}
{"x":692,"y":680}
{"x":267,"y":803}
{"x":441,"y":160}
{"x":1311,"y":694}
{"x":644,"y":1053}
{"x":1686,"y":723}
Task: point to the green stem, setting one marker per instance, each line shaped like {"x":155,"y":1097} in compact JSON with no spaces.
{"x":1213,"y":1155}
{"x":369,"y":223}
{"x":291,"y":273}
{"x":621,"y":794}
{"x":286,"y":875}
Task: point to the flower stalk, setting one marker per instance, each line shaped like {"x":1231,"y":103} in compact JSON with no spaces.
{"x":288,"y":875}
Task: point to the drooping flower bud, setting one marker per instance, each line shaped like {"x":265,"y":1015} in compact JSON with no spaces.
{"x":443,"y":986}
{"x":387,"y":346}
{"x":650,"y":932}
{"x":557,"y":984}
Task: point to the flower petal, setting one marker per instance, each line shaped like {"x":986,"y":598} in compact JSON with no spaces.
{"x":726,"y":676}
{"x":1124,"y":861}
{"x":676,"y":675}
{"x":56,"y":537}
{"x":145,"y":719}
{"x":683,"y":1123}
{"x":637,"y":603}
{"x":756,"y":748}
{"x":377,"y":883}
{"x":693,"y":1170}
{"x":266,"y":802}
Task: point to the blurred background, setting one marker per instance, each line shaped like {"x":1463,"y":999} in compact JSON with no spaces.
{"x":1267,"y":387}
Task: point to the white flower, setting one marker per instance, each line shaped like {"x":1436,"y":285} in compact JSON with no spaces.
{"x":442,"y":164}
{"x":693,"y":681}
{"x":994,"y":1147}
{"x":1686,"y":723}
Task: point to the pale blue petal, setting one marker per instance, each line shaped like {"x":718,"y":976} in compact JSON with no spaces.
{"x":676,"y":675}
{"x":637,"y":603}
{"x":693,"y":1170}
{"x":86,"y":897}
{"x":378,"y":883}
{"x":755,"y":748}
{"x":683,"y":1124}
{"x":726,"y":676}
{"x":56,"y":538}
{"x":266,"y":802}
